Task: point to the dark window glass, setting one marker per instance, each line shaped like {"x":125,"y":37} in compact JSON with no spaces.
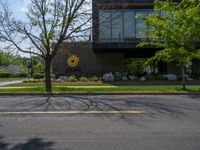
{"x":123,"y":25}
{"x":129,"y":25}
{"x":105,"y":26}
{"x":117,"y":26}
{"x":141,"y":27}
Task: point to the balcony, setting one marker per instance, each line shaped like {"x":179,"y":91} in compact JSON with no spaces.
{"x":129,"y":48}
{"x":125,"y":1}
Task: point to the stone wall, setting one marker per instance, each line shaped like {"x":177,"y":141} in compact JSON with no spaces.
{"x":90,"y":63}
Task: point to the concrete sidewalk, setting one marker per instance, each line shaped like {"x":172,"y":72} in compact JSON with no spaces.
{"x":4,"y":83}
{"x":96,"y":87}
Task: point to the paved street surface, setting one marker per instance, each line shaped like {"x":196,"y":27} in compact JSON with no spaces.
{"x":169,"y":123}
{"x":4,"y":83}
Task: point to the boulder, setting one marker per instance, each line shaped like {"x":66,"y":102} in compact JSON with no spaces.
{"x":188,"y":78}
{"x":109,"y":77}
{"x":124,"y":78}
{"x":170,"y":77}
{"x":143,"y":79}
{"x":63,"y":78}
{"x":132,"y":77}
{"x":57,"y":80}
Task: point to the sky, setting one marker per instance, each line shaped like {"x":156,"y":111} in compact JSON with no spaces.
{"x":19,"y":7}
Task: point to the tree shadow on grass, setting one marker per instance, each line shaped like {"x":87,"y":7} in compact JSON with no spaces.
{"x":31,"y":144}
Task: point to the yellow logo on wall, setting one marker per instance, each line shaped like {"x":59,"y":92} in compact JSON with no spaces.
{"x":73,"y":61}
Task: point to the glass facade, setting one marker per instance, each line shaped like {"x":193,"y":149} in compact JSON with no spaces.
{"x":123,"y":25}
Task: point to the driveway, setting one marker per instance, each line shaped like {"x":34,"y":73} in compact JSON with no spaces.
{"x":4,"y":83}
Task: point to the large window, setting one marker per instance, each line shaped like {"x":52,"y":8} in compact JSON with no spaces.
{"x":117,"y":26}
{"x":129,"y":25}
{"x":123,"y":25}
{"x":141,"y":27}
{"x":105,"y":26}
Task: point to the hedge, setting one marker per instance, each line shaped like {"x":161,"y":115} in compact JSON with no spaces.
{"x":5,"y":75}
{"x":38,"y":76}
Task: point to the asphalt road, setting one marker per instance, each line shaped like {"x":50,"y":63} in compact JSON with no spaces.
{"x":169,"y":123}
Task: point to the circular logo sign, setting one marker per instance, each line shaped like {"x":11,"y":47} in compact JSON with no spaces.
{"x":73,"y":61}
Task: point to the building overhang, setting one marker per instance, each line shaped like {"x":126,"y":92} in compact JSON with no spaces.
{"x":111,"y":6}
{"x":129,"y":49}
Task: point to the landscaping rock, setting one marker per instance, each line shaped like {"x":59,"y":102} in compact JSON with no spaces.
{"x":132,"y":77}
{"x":170,"y":77}
{"x":188,"y":78}
{"x":109,"y":77}
{"x":58,"y":80}
{"x":143,"y":79}
{"x":124,"y":79}
{"x":63,"y":78}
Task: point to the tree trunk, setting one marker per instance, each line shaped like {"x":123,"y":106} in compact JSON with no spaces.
{"x":183,"y":77}
{"x":48,"y":85}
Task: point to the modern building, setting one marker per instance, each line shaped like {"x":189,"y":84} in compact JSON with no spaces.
{"x":118,"y":27}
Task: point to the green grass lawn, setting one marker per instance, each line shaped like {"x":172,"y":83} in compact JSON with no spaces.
{"x":116,"y":83}
{"x":118,"y":89}
{"x":129,"y":86}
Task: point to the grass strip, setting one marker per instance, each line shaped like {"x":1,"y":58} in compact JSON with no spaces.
{"x":96,"y":90}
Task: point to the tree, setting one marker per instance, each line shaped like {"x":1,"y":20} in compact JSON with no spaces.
{"x":176,"y":32}
{"x":7,"y":58}
{"x":136,"y":66}
{"x":48,"y":24}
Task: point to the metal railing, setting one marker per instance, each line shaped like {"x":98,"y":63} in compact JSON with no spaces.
{"x":123,"y":40}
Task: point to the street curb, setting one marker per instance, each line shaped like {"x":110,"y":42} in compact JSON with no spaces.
{"x":99,"y":93}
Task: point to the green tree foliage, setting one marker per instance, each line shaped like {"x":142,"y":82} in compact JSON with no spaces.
{"x":7,"y":58}
{"x":135,"y":66}
{"x":175,"y":32}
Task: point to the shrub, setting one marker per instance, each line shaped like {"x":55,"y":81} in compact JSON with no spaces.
{"x":72,"y":78}
{"x":57,"y":75}
{"x":5,"y":75}
{"x":118,"y":76}
{"x":20,"y":75}
{"x":135,"y":66}
{"x":154,"y":76}
{"x":124,"y":74}
{"x":84,"y":79}
{"x":33,"y":81}
{"x":94,"y":78}
{"x":38,"y":76}
{"x":53,"y":76}
{"x":159,"y":77}
{"x":150,"y":76}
